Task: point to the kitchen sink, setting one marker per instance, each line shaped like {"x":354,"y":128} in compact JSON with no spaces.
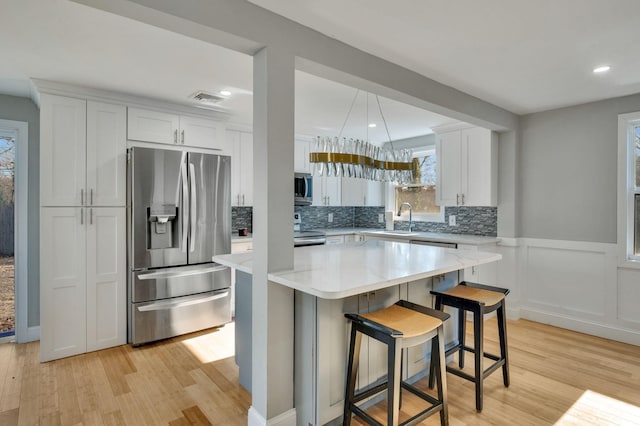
{"x":399,"y":233}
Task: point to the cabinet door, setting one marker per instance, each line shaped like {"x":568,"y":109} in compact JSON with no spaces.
{"x":233,"y":141}
{"x":200,"y":133}
{"x":353,"y":191}
{"x":152,"y":126}
{"x":374,"y":193}
{"x":336,"y":239}
{"x":106,"y":277}
{"x":448,"y":152}
{"x":106,"y":154}
{"x":333,"y":191}
{"x":479,"y":167}
{"x":246,"y":168}
{"x":417,"y":357}
{"x":301,"y":158}
{"x":62,"y":150}
{"x":62,"y":282}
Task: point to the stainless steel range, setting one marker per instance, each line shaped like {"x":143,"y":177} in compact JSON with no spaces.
{"x":306,"y":238}
{"x":179,"y":216}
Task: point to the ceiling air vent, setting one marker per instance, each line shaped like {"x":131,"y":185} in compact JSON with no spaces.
{"x":207,"y":98}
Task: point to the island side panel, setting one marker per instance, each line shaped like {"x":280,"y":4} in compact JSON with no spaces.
{"x":243,"y":327}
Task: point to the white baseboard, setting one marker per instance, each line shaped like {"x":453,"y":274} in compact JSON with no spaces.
{"x":514,"y":313}
{"x":583,"y":326}
{"x":288,"y":418}
{"x":33,"y":334}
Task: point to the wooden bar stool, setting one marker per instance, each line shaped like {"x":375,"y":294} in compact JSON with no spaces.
{"x":479,"y":299}
{"x":399,"y":326}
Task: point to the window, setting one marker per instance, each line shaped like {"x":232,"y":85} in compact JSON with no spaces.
{"x":629,"y":189}
{"x":422,"y":193}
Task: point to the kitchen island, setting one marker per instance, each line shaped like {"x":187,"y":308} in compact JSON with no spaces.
{"x":331,"y":280}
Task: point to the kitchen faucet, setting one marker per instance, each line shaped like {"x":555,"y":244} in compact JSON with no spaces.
{"x":410,"y":214}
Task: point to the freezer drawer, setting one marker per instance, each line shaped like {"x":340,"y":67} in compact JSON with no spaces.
{"x":166,"y":318}
{"x":175,"y":282}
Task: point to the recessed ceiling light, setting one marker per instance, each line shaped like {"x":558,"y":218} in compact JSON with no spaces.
{"x":372,"y":124}
{"x":225,"y":93}
{"x":601,"y":69}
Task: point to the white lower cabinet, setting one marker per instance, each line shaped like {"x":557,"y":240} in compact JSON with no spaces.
{"x":82,"y":279}
{"x":482,"y":274}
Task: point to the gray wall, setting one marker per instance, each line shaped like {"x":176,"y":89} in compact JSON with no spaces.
{"x":23,"y":109}
{"x":568,"y":171}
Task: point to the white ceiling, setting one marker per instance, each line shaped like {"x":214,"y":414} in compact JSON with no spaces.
{"x":524,"y":56}
{"x":67,"y":42}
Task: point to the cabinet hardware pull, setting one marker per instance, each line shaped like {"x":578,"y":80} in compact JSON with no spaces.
{"x":91,"y":196}
{"x":182,"y":137}
{"x":175,"y":136}
{"x":457,"y":199}
{"x":243,"y":199}
{"x":90,"y":216}
{"x":463,"y":199}
{"x":238,"y":196}
{"x":81,"y":196}
{"x":81,"y":216}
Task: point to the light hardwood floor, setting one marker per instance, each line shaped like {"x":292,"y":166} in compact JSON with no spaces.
{"x":557,"y":377}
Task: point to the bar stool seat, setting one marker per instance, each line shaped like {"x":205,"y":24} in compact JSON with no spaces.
{"x":399,"y":326}
{"x":479,"y":299}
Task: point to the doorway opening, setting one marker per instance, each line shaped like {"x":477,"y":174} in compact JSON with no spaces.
{"x":7,"y":228}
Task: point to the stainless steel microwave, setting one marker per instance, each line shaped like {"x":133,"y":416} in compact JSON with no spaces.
{"x":303,"y":189}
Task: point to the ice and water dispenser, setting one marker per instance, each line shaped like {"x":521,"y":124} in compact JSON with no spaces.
{"x":162,"y":229}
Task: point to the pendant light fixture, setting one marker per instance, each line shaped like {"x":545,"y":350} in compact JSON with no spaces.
{"x":339,"y":156}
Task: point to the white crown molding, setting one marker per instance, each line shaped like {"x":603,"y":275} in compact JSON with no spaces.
{"x":63,"y":89}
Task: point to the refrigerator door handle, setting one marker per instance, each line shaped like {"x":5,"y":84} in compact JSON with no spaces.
{"x":176,"y":274}
{"x":164,"y":305}
{"x":185,"y":206}
{"x":193,"y":211}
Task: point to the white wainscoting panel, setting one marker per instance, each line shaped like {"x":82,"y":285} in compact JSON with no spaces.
{"x":566,"y":280}
{"x":629,"y":296}
{"x":577,"y":285}
{"x":507,"y":274}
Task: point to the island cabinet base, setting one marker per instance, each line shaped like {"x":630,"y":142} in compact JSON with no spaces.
{"x":322,"y":343}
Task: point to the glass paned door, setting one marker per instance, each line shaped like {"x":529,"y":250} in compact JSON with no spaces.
{"x":7,"y":274}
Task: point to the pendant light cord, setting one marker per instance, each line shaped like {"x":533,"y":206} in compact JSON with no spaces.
{"x":384,"y":121}
{"x":349,"y":113}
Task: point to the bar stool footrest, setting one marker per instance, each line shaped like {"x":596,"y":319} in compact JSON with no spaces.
{"x":453,"y":370}
{"x":370,"y":392}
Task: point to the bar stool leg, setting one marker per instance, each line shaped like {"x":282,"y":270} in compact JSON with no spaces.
{"x":502,"y":332}
{"x":441,"y":369}
{"x":434,"y":348}
{"x":393,"y":385}
{"x":478,"y":322}
{"x":462,"y":321}
{"x":352,"y":372}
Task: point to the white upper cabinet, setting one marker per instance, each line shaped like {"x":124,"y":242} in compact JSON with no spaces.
{"x":301,"y":158}
{"x":241,"y":147}
{"x":327,"y":191}
{"x":106,"y":154}
{"x":152,"y":126}
{"x":161,"y":127}
{"x":200,"y":133}
{"x":361,"y":192}
{"x":63,"y":144}
{"x":82,"y":152}
{"x":467,"y":168}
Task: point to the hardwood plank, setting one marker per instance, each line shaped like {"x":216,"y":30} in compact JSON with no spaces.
{"x":195,"y":416}
{"x":557,"y":377}
{"x":10,"y":417}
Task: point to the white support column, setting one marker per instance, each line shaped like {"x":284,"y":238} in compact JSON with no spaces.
{"x":273,"y":149}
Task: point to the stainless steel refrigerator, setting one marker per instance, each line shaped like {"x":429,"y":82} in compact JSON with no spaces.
{"x":179,"y":216}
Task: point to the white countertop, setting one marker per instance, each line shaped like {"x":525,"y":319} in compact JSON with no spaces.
{"x":343,"y":270}
{"x":475,"y":240}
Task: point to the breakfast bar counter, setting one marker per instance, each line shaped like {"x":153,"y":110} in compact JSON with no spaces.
{"x":343,"y":270}
{"x":331,"y":280}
